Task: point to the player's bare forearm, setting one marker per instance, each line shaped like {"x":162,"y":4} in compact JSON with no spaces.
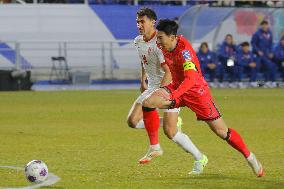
{"x":166,"y":80}
{"x":143,"y":78}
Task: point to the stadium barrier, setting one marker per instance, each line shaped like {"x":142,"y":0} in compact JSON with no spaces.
{"x":102,"y":59}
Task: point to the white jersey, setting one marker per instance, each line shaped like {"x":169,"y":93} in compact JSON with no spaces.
{"x":151,"y":57}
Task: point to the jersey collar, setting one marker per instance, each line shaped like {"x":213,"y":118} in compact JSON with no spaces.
{"x":153,"y":35}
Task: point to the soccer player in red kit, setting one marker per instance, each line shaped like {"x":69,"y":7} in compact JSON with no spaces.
{"x":157,"y":74}
{"x":189,"y":88}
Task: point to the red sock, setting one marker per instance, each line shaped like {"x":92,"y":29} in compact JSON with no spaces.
{"x":236,"y":141}
{"x":152,"y":123}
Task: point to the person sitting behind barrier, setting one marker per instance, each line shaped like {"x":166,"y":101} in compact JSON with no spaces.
{"x":262,"y":46}
{"x":207,"y":61}
{"x":279,"y":56}
{"x":246,"y":63}
{"x":227,"y":57}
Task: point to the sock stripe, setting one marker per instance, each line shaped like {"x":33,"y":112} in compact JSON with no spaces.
{"x":146,"y":109}
{"x":228,"y":135}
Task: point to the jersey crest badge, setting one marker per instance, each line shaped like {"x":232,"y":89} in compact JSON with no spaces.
{"x":186,"y":55}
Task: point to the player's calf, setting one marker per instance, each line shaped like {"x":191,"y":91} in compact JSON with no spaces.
{"x":230,"y":135}
{"x":219,"y":127}
{"x":170,"y":131}
{"x":135,"y":115}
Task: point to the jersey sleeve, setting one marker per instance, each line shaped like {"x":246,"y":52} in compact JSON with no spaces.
{"x":190,"y":74}
{"x":136,"y":44}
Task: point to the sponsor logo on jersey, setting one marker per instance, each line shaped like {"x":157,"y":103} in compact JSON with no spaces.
{"x":186,"y":55}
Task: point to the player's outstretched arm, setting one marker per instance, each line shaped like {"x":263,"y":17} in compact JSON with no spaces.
{"x":190,"y":75}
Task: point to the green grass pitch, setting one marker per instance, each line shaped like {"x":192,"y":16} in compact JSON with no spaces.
{"x":84,"y":139}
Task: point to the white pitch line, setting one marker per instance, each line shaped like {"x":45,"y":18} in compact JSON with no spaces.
{"x":51,"y":179}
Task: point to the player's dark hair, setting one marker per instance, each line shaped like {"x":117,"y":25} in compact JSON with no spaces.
{"x":264,"y":22}
{"x":204,"y":44}
{"x":245,"y":44}
{"x":282,"y":38}
{"x":147,"y":12}
{"x":168,"y":26}
{"x":229,"y":35}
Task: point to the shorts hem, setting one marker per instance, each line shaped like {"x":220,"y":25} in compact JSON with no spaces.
{"x":212,"y":119}
{"x":175,"y":110}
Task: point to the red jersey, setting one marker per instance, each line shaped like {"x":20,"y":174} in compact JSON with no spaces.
{"x":185,"y":68}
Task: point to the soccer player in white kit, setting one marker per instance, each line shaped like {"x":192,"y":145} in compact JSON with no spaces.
{"x":157,"y":75}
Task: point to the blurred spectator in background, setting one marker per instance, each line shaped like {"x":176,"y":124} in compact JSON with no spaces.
{"x":224,"y":3}
{"x":274,"y":3}
{"x":58,"y":1}
{"x":227,"y":56}
{"x":244,"y":3}
{"x":159,"y":2}
{"x":246,"y":63}
{"x":208,"y":63}
{"x":262,"y":47}
{"x":167,"y":2}
{"x":5,"y":1}
{"x":279,"y":56}
{"x":203,"y":2}
{"x":126,"y":2}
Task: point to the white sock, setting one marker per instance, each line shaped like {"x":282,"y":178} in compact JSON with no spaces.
{"x":183,"y":141}
{"x":251,"y":156}
{"x":155,"y":146}
{"x":140,"y":124}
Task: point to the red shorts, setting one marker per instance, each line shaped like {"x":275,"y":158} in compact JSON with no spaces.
{"x":200,"y":101}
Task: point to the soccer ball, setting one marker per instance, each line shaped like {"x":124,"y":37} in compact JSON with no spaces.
{"x":36,"y":171}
